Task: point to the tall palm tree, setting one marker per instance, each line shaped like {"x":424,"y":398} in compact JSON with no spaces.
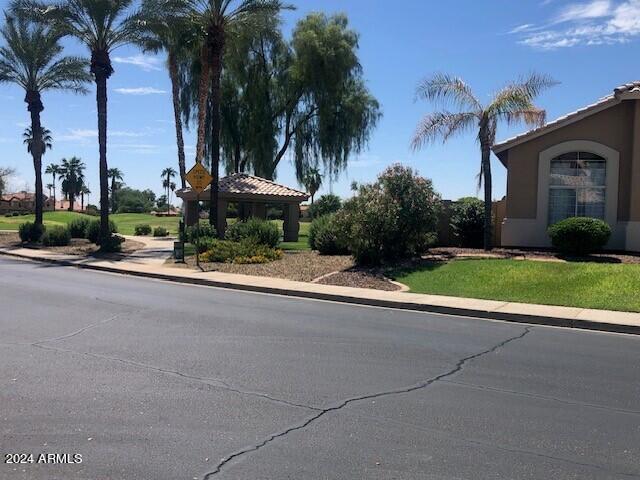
{"x":84,"y":190}
{"x":102,"y":25}
{"x":72,"y":175}
{"x":47,"y":140}
{"x":512,"y":104}
{"x":31,"y":58}
{"x":116,"y":176}
{"x":217,"y":20}
{"x":53,"y":170}
{"x":312,"y":181}
{"x":165,"y":30}
{"x":166,"y":175}
{"x":49,"y":186}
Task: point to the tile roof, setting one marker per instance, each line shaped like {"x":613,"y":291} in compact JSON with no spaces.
{"x":243,"y":183}
{"x":21,"y":196}
{"x":603,"y":103}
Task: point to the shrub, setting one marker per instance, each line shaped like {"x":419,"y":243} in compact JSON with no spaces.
{"x":111,"y":244}
{"x":579,"y":235}
{"x":324,"y":236}
{"x":56,"y":236}
{"x":92,"y":210}
{"x":395,"y":217}
{"x":8,"y":215}
{"x":256,"y":229}
{"x":467,"y":222}
{"x":30,"y":232}
{"x":144,"y":229}
{"x":325,"y":205}
{"x":244,"y":252}
{"x":92,"y":232}
{"x":200,"y":231}
{"x":78,"y":227}
{"x":160,"y":232}
{"x":15,"y":214}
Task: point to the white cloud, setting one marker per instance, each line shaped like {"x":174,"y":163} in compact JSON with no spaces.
{"x":597,"y":22}
{"x":582,"y":11}
{"x":140,"y":91}
{"x":145,"y":62}
{"x":84,"y":135}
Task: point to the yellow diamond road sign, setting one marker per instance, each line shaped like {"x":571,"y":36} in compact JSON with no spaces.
{"x":198,"y":177}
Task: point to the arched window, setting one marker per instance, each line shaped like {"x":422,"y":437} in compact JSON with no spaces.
{"x":577,"y":186}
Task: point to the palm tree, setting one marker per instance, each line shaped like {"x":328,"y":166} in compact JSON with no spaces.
{"x":166,"y":175}
{"x":116,"y":176}
{"x":31,"y":58}
{"x":72,"y":174}
{"x":84,"y":190}
{"x":102,"y":25}
{"x":46,"y":140}
{"x":164,"y":29}
{"x":53,"y":170}
{"x":312,"y":181}
{"x":49,"y":187}
{"x":217,"y":19}
{"x":512,"y":104}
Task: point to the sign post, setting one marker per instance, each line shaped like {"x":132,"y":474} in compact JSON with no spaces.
{"x":199,"y":178}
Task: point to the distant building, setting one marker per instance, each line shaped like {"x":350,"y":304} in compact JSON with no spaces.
{"x":23,"y":202}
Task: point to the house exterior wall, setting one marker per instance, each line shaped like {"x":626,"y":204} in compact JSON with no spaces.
{"x":612,"y":130}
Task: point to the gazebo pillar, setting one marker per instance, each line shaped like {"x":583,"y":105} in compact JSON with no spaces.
{"x":191,"y":213}
{"x":221,"y":221}
{"x":291,"y":225}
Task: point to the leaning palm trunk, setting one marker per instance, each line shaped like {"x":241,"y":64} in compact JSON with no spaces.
{"x":217,"y":50}
{"x":175,"y":90}
{"x":35,"y":107}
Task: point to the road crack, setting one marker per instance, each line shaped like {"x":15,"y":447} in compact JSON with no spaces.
{"x":211,"y":382}
{"x":412,"y":388}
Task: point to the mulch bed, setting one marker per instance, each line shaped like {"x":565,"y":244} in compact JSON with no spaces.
{"x":448,"y":253}
{"x":78,"y":246}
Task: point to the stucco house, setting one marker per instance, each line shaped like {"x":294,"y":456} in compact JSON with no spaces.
{"x":586,"y":163}
{"x":22,"y":202}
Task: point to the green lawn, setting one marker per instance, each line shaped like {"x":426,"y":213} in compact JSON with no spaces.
{"x":50,"y":218}
{"x":576,"y":284}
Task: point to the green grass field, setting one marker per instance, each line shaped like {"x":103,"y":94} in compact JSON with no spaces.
{"x":573,"y":284}
{"x":126,"y":223}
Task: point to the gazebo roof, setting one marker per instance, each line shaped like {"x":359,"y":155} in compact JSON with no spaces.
{"x":243,"y":184}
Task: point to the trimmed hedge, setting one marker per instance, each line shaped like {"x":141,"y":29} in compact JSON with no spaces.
{"x":92,"y":232}
{"x":324,"y":236}
{"x":244,"y":252}
{"x":579,"y":235}
{"x":160,"y":232}
{"x":56,"y":236}
{"x":112,"y":244}
{"x":30,"y":232}
{"x":467,"y":222}
{"x":199,"y":231}
{"x":144,"y":229}
{"x":255,"y":229}
{"x":78,"y":227}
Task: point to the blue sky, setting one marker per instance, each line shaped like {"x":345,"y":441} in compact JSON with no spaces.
{"x":590,"y":47}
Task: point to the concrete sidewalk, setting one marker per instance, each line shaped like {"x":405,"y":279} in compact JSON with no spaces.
{"x":150,"y":263}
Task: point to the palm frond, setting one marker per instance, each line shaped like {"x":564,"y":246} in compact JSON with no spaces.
{"x":442,"y":125}
{"x":449,"y":90}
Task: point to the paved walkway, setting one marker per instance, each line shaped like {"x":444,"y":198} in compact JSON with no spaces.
{"x":151,"y":262}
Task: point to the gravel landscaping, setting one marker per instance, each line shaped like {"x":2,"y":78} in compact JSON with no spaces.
{"x":448,"y":253}
{"x":78,"y":246}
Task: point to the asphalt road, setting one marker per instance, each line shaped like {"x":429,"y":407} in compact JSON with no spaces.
{"x":151,"y":380}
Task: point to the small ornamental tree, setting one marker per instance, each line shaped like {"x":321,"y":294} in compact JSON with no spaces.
{"x":325,"y":205}
{"x":395,"y":217}
{"x":467,"y":222}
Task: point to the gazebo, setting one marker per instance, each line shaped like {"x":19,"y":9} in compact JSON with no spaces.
{"x":252,"y":195}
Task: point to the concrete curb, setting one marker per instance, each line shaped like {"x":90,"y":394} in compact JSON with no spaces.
{"x":411,"y":306}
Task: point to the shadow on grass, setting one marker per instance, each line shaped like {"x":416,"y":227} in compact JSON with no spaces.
{"x":414,"y":266}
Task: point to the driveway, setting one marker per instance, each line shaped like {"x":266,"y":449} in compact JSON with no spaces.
{"x":153,"y":380}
